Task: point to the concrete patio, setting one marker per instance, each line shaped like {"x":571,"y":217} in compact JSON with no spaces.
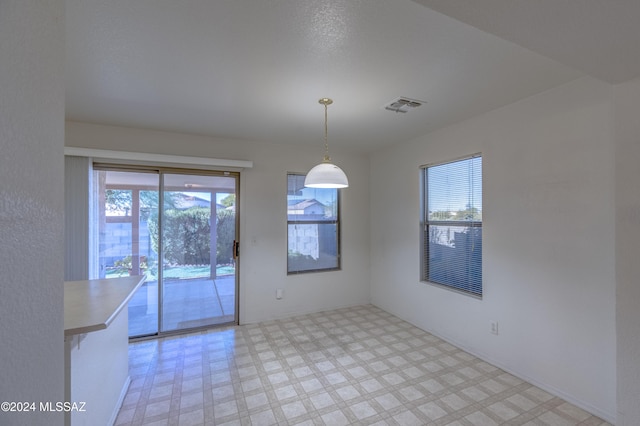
{"x":188,"y":303}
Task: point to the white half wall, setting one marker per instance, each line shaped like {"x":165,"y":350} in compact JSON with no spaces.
{"x":31,"y":207}
{"x":627,"y":136}
{"x":548,"y":249}
{"x":263,"y":216}
{"x":98,"y":372}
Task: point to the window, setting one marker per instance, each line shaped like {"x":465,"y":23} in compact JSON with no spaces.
{"x":451,"y":228}
{"x":313,"y":222}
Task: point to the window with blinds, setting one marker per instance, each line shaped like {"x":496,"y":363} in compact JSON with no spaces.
{"x":451,"y":228}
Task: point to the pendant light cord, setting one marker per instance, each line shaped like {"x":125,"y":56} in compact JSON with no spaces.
{"x":326,"y":102}
{"x":326,"y":143}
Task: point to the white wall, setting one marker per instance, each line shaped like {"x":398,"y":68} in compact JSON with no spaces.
{"x":548,"y":248}
{"x":263,"y":216}
{"x":31,"y":206}
{"x":627,"y":136}
{"x":98,"y":372}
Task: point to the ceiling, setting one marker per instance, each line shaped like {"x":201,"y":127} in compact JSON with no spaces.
{"x":255,"y":69}
{"x":600,"y":38}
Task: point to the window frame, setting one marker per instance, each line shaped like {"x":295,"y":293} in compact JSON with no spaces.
{"x":336,"y":222}
{"x":426,"y":223}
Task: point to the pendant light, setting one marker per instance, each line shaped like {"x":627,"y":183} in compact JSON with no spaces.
{"x":326,"y":174}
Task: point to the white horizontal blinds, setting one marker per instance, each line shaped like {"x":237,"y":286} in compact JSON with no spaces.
{"x":452,"y":231}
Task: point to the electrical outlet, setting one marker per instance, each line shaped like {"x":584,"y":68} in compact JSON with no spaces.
{"x":494,"y":327}
{"x":279,"y":293}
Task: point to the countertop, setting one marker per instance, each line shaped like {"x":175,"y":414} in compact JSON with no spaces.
{"x":91,"y":305}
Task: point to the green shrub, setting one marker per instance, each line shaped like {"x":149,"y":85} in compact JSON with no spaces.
{"x":187,"y":235}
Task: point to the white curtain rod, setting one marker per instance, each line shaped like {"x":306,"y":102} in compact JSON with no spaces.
{"x":105,"y":154}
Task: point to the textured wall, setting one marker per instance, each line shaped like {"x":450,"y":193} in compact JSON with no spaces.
{"x":31,"y":206}
{"x":627,"y":136}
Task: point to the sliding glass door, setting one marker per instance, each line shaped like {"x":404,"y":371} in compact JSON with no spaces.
{"x":185,"y":249}
{"x":198,"y":234}
{"x":126,"y":203}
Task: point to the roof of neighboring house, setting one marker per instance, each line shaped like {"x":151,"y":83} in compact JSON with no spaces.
{"x":303,"y":204}
{"x":184,"y":201}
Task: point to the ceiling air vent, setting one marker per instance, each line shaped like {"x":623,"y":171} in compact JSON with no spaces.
{"x":403,"y":105}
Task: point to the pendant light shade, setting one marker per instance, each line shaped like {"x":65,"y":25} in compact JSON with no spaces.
{"x":326,"y":174}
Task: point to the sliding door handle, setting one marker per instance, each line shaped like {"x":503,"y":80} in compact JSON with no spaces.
{"x":236,"y":249}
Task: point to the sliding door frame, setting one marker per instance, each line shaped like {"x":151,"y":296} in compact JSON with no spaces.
{"x":161,"y":171}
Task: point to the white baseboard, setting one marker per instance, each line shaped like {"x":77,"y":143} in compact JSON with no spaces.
{"x":116,"y":409}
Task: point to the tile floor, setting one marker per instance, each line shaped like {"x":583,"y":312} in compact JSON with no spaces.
{"x":358,"y":365}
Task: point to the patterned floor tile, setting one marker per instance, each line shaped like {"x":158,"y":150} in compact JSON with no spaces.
{"x":357,"y":365}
